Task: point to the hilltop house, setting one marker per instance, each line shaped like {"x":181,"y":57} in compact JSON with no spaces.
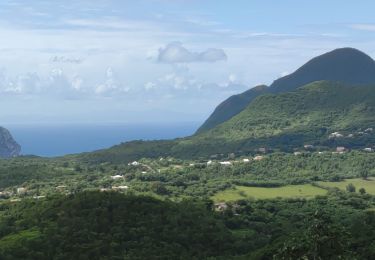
{"x":21,"y":190}
{"x":335,"y":135}
{"x":135,"y":163}
{"x":226,"y":163}
{"x":116,"y":177}
{"x":262,"y":150}
{"x":116,"y":188}
{"x":341,"y":149}
{"x":308,"y":146}
{"x":221,"y":206}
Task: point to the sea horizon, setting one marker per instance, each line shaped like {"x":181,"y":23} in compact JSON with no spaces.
{"x":54,"y":139}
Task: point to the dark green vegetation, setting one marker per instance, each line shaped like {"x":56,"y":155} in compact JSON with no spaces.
{"x":231,"y":107}
{"x":280,"y":122}
{"x":344,"y":65}
{"x":94,"y":225}
{"x":308,"y":115}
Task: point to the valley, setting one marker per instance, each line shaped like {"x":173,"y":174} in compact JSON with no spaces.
{"x":290,"y":175}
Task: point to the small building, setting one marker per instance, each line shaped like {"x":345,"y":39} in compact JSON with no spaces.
{"x":350,"y":135}
{"x":120,"y":188}
{"x":262,"y":150}
{"x":135,"y":163}
{"x":368,"y":149}
{"x":335,"y":135}
{"x":369,"y":130}
{"x":341,"y":149}
{"x":297,"y":153}
{"x":308,"y":146}
{"x":221,"y":206}
{"x":209,"y":162}
{"x":61,"y":187}
{"x":246,"y":160}
{"x":258,"y":158}
{"x":21,"y":190}
{"x":39,"y":197}
{"x":117,"y":177}
{"x":226,"y":163}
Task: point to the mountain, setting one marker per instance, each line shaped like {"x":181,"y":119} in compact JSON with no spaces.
{"x":345,"y":65}
{"x":8,"y":146}
{"x":309,"y":114}
{"x":276,"y":121}
{"x":232,"y":106}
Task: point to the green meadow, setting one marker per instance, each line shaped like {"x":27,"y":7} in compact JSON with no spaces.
{"x":368,"y":185}
{"x":290,"y":191}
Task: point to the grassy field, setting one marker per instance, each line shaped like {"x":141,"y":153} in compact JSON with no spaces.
{"x":368,"y":185}
{"x":290,"y":191}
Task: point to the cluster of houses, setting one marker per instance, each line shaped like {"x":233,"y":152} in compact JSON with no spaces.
{"x":340,"y":135}
{"x":20,"y":191}
{"x":339,"y":150}
{"x":229,"y":163}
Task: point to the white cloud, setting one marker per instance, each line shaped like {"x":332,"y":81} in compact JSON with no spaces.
{"x":149,"y":85}
{"x":364,"y":27}
{"x":175,"y":52}
{"x":232,"y":77}
{"x":284,"y":73}
{"x":111,"y":85}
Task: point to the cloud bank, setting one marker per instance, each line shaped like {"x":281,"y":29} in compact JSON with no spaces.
{"x":175,"y":52}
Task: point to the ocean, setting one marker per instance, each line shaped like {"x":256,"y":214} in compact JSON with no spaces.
{"x":57,"y":140}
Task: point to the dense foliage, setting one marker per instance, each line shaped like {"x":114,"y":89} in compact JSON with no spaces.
{"x":109,"y":225}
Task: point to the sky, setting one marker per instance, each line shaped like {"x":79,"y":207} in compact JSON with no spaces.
{"x":122,"y":61}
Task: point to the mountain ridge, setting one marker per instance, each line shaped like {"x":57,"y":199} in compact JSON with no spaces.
{"x":347,"y":65}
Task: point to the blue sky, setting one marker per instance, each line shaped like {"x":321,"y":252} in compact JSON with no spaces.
{"x":159,"y":60}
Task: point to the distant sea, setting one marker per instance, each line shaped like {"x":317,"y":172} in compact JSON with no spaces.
{"x":56,"y":140}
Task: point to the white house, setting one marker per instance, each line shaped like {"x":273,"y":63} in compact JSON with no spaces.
{"x":21,"y":190}
{"x":258,"y":158}
{"x":209,"y":162}
{"x":341,"y":149}
{"x":120,"y":188}
{"x":368,"y":150}
{"x":226,"y":163}
{"x":246,"y":160}
{"x":335,"y":135}
{"x":116,"y":177}
{"x":135,"y":163}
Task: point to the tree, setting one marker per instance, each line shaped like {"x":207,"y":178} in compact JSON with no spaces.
{"x":350,"y":187}
{"x":364,"y":174}
{"x":362,"y":191}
